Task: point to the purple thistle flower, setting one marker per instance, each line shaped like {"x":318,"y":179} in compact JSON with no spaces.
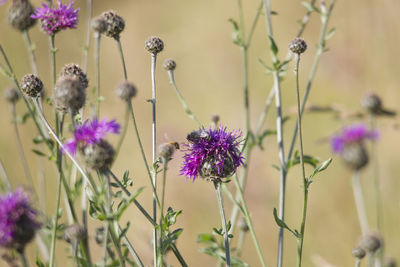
{"x":18,"y":220}
{"x":212,"y":153}
{"x":355,"y":133}
{"x":2,"y":2}
{"x":90,"y":133}
{"x":57,"y":18}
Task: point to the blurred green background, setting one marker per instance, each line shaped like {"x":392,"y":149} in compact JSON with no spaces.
{"x":362,"y":56}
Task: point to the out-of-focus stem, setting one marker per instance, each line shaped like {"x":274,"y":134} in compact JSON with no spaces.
{"x":217,"y":186}
{"x":89,"y":6}
{"x":97,"y":37}
{"x":31,"y":50}
{"x":123,"y":133}
{"x":359,"y":200}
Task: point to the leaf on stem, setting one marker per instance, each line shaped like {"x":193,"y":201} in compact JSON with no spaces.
{"x":282,"y":224}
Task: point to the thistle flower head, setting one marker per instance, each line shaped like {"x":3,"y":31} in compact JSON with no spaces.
{"x":298,"y":45}
{"x":72,"y":69}
{"x":169,"y":64}
{"x":99,"y":156}
{"x":18,"y":220}
{"x":54,"y":19}
{"x":154,"y":45}
{"x":19,"y":15}
{"x":126,"y":91}
{"x":358,"y":252}
{"x":90,"y":133}
{"x":212,"y":153}
{"x":352,"y":134}
{"x":114,"y":24}
{"x":31,"y":85}
{"x":69,"y":95}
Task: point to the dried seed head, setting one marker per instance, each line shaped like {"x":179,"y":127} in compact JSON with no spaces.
{"x":72,"y":69}
{"x":19,"y":15}
{"x":358,"y":252}
{"x":298,"y":45}
{"x":99,"y":25}
{"x":31,"y":85}
{"x":243,"y":225}
{"x":126,"y":91}
{"x":154,"y":45}
{"x":115,"y":24}
{"x":215,"y":118}
{"x":209,"y":169}
{"x":355,"y":156}
{"x":371,"y":242}
{"x":74,"y":233}
{"x":169,"y":64}
{"x":389,"y":262}
{"x":167,"y":150}
{"x":99,"y":156}
{"x":11,"y":95}
{"x":69,"y":95}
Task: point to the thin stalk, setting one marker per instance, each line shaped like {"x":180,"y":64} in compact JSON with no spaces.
{"x":217,"y":185}
{"x":123,"y":133}
{"x":131,"y":249}
{"x":358,"y":262}
{"x":371,"y":259}
{"x":107,"y":222}
{"x":150,"y":219}
{"x":249,"y":223}
{"x":97,"y":37}
{"x":24,"y":261}
{"x":377,"y":192}
{"x":4,"y":176}
{"x":142,"y":152}
{"x":242,"y":235}
{"x":164,"y":180}
{"x":117,"y":246}
{"x":121,"y":54}
{"x":105,"y":243}
{"x":21,"y":153}
{"x":87,"y":34}
{"x":154,"y":144}
{"x":53,"y":51}
{"x":279,"y":135}
{"x":359,"y":200}
{"x":181,"y":99}
{"x":31,"y":50}
{"x":303,"y":172}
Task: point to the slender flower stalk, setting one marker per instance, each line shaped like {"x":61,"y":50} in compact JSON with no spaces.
{"x":31,"y":50}
{"x":97,"y":63}
{"x":359,"y":200}
{"x":217,"y":185}
{"x":299,"y":46}
{"x":24,"y":261}
{"x":89,"y":7}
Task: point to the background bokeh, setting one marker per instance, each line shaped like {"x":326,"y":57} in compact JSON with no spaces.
{"x":362,"y":56}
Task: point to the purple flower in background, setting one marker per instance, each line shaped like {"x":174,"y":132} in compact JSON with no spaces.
{"x":212,"y":153}
{"x":2,"y":2}
{"x":18,"y":220}
{"x":57,"y":18}
{"x":90,"y":133}
{"x":355,"y":133}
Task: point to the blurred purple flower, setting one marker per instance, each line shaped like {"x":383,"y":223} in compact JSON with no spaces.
{"x":213,"y":146}
{"x":90,"y":133}
{"x":18,"y":220}
{"x":57,"y":18}
{"x":2,"y":2}
{"x":355,"y":133}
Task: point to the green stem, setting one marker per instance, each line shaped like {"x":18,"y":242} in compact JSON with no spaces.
{"x":371,"y":259}
{"x":87,"y":35}
{"x":123,"y":134}
{"x":305,"y":183}
{"x":121,"y":53}
{"x":132,"y":251}
{"x":249,"y":222}
{"x":181,"y":99}
{"x":164,"y":179}
{"x":358,"y":262}
{"x":53,"y":51}
{"x":142,"y":152}
{"x":24,"y":261}
{"x":107,"y":222}
{"x":217,"y":185}
{"x":97,"y":63}
{"x":359,"y":200}
{"x":30,"y":47}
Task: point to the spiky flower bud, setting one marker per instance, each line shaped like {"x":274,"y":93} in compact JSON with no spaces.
{"x":19,"y":15}
{"x":126,"y":91}
{"x":154,"y":45}
{"x":167,"y":150}
{"x":355,"y":156}
{"x":372,"y":102}
{"x":371,"y":242}
{"x":115,"y":24}
{"x":99,"y":25}
{"x":169,"y":64}
{"x":298,"y":45}
{"x":69,"y":95}
{"x":242,"y":224}
{"x":31,"y":85}
{"x":11,"y":95}
{"x":358,"y":252}
{"x":215,"y":118}
{"x":74,"y":233}
{"x":72,"y":69}
{"x":99,"y":156}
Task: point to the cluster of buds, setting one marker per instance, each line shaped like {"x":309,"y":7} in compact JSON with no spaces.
{"x":110,"y":24}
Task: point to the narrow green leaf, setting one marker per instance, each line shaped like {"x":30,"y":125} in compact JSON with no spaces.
{"x":321,"y":168}
{"x":329,"y":34}
{"x":273,"y":46}
{"x":310,"y":7}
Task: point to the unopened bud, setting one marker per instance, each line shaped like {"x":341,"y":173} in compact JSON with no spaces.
{"x":154,"y":45}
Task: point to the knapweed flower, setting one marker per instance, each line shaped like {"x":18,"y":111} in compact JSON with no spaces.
{"x":350,"y":145}
{"x":2,"y":2}
{"x":18,"y":220}
{"x":212,"y":153}
{"x":54,"y":19}
{"x":90,"y":133}
{"x":351,"y":134}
